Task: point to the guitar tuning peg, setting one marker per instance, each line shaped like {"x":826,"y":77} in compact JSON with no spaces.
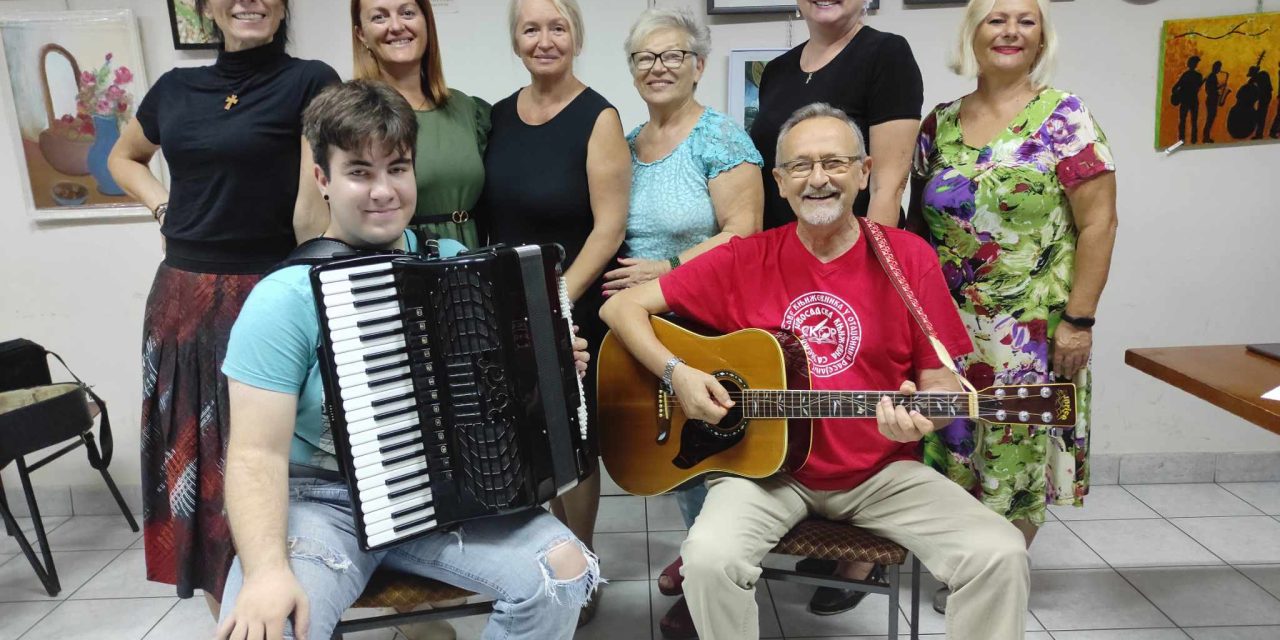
{"x":1022,"y":392}
{"x":1045,"y":392}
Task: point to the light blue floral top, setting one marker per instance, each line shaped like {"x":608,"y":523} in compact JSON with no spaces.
{"x":670,"y":200}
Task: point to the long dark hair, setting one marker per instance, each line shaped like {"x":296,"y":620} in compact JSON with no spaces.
{"x":281,"y":32}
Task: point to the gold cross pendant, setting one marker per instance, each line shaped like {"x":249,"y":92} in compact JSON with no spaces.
{"x":232,"y":101}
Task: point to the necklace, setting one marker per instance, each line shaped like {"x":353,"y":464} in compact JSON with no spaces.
{"x":233,"y":94}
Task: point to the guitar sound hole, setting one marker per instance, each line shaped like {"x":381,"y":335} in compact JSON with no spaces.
{"x":732,"y":424}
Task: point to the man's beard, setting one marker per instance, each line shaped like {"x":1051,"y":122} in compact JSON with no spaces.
{"x":821,"y":213}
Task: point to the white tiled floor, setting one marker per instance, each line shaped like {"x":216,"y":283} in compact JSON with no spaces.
{"x":1141,"y":562}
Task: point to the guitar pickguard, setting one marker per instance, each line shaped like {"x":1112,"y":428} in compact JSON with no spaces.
{"x":698,"y":442}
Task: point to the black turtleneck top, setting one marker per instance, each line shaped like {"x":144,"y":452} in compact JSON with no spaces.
{"x":233,"y":172}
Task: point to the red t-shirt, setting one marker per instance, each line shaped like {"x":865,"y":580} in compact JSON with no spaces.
{"x":855,"y":328}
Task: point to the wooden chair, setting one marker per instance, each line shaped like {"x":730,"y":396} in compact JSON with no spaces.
{"x":403,"y":591}
{"x":827,"y":540}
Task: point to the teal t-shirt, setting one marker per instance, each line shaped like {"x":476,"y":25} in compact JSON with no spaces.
{"x":273,"y":347}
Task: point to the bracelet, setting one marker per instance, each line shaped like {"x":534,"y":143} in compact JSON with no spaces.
{"x":1083,"y":323}
{"x":674,"y":261}
{"x":161,"y":210}
{"x":667,"y":371}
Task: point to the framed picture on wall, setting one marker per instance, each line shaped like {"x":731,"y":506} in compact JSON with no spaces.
{"x":74,"y":79}
{"x":761,"y":6}
{"x":189,"y":30}
{"x":745,"y":68}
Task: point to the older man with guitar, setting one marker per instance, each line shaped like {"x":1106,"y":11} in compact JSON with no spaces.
{"x":858,"y":300}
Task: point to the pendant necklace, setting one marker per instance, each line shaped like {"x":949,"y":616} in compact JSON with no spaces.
{"x":233,"y":94}
{"x":806,"y":80}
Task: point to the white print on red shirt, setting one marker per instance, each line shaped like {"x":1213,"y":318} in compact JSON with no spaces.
{"x":829,"y":330}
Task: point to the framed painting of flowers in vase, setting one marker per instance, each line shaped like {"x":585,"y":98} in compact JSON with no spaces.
{"x":74,"y":80}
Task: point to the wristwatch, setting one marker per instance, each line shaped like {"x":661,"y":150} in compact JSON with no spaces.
{"x":1083,"y":323}
{"x":667,"y":371}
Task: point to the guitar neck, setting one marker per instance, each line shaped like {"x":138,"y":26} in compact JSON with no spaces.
{"x":760,"y":403}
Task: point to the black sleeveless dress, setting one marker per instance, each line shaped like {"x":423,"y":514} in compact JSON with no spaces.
{"x":536,"y":191}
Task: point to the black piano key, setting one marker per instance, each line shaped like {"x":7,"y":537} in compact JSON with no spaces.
{"x":400,"y":493}
{"x":384,"y":353}
{"x":367,"y":275}
{"x":369,"y":337}
{"x":382,"y":382}
{"x":404,"y":457}
{"x":404,"y":477}
{"x":409,"y":525}
{"x":393,"y":447}
{"x":371,"y":371}
{"x":413,"y":509}
{"x":391,"y":400}
{"x":392,"y":414}
{"x":398,"y":432}
{"x":379,"y":300}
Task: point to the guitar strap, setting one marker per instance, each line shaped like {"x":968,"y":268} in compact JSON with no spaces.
{"x":889,"y":262}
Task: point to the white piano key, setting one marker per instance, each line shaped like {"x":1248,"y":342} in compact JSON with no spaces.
{"x":374,"y":446}
{"x":347,"y":322}
{"x":361,"y":416}
{"x":352,"y":333}
{"x":342,"y":286}
{"x":361,"y":384}
{"x":345,"y":346}
{"x":338,"y":275}
{"x":367,"y":400}
{"x":408,"y":501}
{"x":392,"y":536}
{"x":384,"y":471}
{"x":371,"y":435}
{"x":357,"y":370}
{"x":345,"y":310}
{"x":380,"y":480}
{"x":339,"y":299}
{"x":358,"y":355}
{"x":370,"y":503}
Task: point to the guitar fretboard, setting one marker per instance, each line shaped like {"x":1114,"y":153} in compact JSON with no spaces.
{"x":849,"y":404}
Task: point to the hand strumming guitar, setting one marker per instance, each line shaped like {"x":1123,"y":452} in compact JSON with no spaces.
{"x":700,"y":394}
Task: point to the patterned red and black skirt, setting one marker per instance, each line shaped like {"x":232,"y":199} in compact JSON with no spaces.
{"x":185,"y":426}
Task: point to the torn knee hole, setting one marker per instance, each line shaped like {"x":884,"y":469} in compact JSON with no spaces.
{"x":318,"y":552}
{"x":566,"y":561}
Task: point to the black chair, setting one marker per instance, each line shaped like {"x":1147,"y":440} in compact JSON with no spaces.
{"x":34,"y":415}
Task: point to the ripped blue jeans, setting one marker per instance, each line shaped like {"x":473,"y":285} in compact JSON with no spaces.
{"x":502,"y":557}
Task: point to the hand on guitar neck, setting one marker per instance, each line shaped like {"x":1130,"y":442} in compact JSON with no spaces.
{"x":900,"y":424}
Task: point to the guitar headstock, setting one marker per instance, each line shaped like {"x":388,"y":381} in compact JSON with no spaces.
{"x":1041,"y":405}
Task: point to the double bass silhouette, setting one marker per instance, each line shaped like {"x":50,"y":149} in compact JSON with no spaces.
{"x":1253,"y":100}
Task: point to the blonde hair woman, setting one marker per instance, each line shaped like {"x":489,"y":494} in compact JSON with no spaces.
{"x":557,"y":170}
{"x":1017,"y":154}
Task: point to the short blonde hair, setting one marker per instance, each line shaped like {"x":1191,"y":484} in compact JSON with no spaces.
{"x":652,"y":20}
{"x":965,"y":62}
{"x":568,"y":9}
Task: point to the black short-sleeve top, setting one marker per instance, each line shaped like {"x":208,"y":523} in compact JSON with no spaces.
{"x":233,"y":171}
{"x":875,"y":79}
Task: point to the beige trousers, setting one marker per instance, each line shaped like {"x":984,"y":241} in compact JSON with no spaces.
{"x":979,"y":554}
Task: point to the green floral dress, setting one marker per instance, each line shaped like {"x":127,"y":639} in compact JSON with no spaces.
{"x":1006,"y":239}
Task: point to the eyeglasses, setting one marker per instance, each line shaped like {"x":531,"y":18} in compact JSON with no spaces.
{"x":673,"y":59}
{"x":831,"y":165}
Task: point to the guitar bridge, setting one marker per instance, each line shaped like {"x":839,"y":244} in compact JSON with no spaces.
{"x":664,"y":416}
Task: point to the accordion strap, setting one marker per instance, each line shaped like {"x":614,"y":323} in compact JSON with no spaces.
{"x":889,"y":262}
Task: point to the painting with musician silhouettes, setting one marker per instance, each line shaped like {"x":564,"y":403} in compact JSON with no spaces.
{"x":1218,"y":81}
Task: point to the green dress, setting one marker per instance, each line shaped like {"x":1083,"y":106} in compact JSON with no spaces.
{"x":449,"y":166}
{"x":1006,"y":240}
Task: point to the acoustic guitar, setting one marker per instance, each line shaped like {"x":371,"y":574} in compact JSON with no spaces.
{"x":649,"y":447}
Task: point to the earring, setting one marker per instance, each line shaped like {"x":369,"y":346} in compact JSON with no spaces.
{"x":326,"y":197}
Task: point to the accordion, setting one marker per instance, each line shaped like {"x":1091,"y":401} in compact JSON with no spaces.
{"x":451,"y":387}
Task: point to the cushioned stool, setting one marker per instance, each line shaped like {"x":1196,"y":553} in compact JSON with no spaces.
{"x":827,"y":540}
{"x":403,"y":591}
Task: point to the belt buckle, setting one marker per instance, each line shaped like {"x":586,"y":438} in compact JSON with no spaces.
{"x":460,"y":217}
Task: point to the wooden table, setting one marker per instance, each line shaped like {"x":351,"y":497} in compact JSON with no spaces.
{"x":1227,"y":376}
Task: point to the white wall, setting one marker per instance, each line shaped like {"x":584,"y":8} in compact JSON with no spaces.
{"x":1196,"y":263}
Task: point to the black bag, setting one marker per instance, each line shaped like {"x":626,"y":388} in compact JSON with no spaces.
{"x":49,"y":414}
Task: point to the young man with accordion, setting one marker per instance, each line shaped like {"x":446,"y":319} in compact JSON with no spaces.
{"x":298,"y":475}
